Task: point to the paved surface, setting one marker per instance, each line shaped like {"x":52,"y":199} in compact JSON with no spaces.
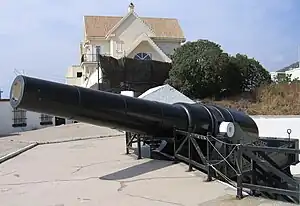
{"x":97,"y":172}
{"x":68,"y":132}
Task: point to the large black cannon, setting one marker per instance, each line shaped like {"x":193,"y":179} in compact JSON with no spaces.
{"x":192,"y":130}
{"x":123,"y":112}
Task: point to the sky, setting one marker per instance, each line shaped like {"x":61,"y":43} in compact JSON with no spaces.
{"x":41,"y":37}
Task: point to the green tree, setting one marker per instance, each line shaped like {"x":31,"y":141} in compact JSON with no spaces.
{"x":232,"y":79}
{"x":253,"y":73}
{"x":201,"y":69}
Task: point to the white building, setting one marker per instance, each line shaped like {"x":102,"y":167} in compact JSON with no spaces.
{"x":128,"y":36}
{"x":293,"y":71}
{"x":19,"y":120}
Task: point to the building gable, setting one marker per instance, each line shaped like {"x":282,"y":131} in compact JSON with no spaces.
{"x":145,"y":44}
{"x":130,"y":30}
{"x":130,"y":20}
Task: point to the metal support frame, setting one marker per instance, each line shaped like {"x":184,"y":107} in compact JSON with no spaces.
{"x":285,"y":187}
{"x":133,"y":138}
{"x":244,"y":166}
{"x":191,"y":140}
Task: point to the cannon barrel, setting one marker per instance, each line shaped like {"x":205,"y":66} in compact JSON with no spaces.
{"x":122,"y":112}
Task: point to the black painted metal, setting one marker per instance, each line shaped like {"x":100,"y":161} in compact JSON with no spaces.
{"x":268,"y":175}
{"x":97,"y":107}
{"x":123,"y":112}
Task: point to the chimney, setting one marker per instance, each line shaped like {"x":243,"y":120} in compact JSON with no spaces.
{"x":130,"y":7}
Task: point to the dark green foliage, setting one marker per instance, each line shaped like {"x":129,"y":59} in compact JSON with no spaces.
{"x":253,"y":73}
{"x":202,"y":69}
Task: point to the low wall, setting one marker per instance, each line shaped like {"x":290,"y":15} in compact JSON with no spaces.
{"x":276,"y":126}
{"x":7,"y":119}
{"x":33,"y":120}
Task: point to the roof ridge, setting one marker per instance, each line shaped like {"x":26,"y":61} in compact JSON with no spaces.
{"x":142,"y":17}
{"x":102,"y":16}
{"x":158,"y":18}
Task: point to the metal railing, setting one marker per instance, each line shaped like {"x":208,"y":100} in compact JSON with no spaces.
{"x":267,"y":177}
{"x":250,"y":169}
{"x":91,"y":57}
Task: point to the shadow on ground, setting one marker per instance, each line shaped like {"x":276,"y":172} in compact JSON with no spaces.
{"x":137,"y":170}
{"x":9,"y":135}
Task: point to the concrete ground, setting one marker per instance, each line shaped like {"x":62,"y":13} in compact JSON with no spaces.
{"x":61,"y":133}
{"x":96,"y":171}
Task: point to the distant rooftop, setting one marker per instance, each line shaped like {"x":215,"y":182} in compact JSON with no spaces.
{"x":290,"y":67}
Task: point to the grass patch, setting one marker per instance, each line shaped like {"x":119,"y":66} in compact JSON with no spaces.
{"x":273,"y":99}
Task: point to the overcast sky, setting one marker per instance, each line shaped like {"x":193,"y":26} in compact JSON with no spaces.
{"x":41,"y":37}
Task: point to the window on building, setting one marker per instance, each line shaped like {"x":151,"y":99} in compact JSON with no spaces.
{"x":19,"y":118}
{"x":98,"y":51}
{"x":46,"y":119}
{"x":79,"y":74}
{"x":119,"y":47}
{"x":143,"y":56}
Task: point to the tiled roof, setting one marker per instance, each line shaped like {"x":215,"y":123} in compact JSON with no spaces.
{"x":162,"y":27}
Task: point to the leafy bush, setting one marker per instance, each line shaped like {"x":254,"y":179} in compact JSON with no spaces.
{"x":202,"y":69}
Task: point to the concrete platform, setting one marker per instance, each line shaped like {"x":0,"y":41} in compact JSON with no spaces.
{"x":97,"y":172}
{"x":61,"y":133}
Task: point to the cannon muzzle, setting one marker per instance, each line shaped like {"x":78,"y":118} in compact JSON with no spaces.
{"x":122,"y":112}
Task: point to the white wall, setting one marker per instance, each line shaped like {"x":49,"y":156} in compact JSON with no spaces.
{"x":147,"y":48}
{"x":295,"y":73}
{"x":71,"y":76}
{"x":129,"y":31}
{"x":105,"y":46}
{"x":6,"y":120}
{"x":276,"y":126}
{"x":273,"y":75}
{"x":168,"y":47}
